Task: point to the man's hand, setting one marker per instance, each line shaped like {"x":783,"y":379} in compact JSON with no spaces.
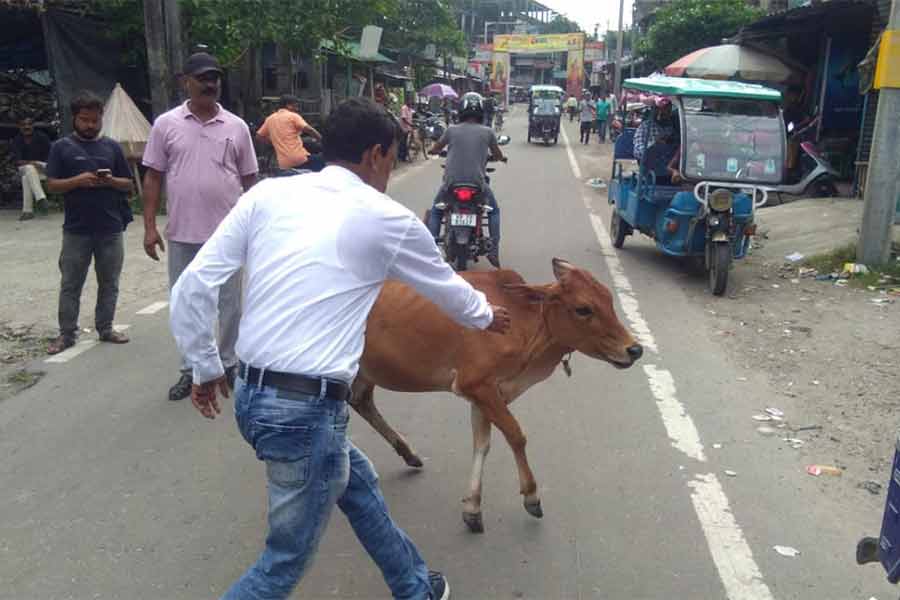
{"x":87,"y":180}
{"x":501,"y":322}
{"x":151,"y":240}
{"x":204,"y":398}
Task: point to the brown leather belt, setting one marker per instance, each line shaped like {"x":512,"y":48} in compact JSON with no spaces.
{"x":336,"y":390}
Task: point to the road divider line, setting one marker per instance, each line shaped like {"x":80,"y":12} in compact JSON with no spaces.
{"x":152,"y":309}
{"x":79,"y":348}
{"x":730,"y":552}
{"x":679,"y":425}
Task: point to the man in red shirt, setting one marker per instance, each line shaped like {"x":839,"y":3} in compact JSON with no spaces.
{"x":283,"y":129}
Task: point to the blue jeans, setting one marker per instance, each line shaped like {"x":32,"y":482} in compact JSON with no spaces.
{"x":601,"y":129}
{"x":436,"y":216}
{"x":311,"y":466}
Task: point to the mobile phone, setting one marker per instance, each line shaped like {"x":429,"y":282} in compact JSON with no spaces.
{"x":104,"y":173}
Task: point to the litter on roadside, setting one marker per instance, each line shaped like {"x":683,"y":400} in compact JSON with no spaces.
{"x":794,"y":257}
{"x":807,"y":272}
{"x":717,"y":446}
{"x":787,"y":551}
{"x":854,"y":269}
{"x":596,"y":183}
{"x":776,"y":413}
{"x":730,"y":473}
{"x":816,"y":470}
{"x":882,"y":301}
{"x":873,"y":487}
{"x":762,"y":418}
{"x":742,"y":379}
{"x":794,"y":443}
{"x":766,"y":430}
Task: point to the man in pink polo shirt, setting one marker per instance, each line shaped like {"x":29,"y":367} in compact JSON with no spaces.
{"x":207,"y":158}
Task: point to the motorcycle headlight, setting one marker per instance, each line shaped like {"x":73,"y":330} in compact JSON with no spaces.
{"x":721,"y":200}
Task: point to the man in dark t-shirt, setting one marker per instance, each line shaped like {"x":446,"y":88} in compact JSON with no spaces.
{"x":92,"y":173}
{"x":29,"y":152}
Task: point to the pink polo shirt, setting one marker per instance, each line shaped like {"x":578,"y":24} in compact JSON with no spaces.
{"x":203,"y":165}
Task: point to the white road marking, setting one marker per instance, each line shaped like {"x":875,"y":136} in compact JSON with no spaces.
{"x":67,"y":355}
{"x":79,"y":348}
{"x":733,"y":557}
{"x":152,"y":309}
{"x":731,"y":554}
{"x":679,"y":424}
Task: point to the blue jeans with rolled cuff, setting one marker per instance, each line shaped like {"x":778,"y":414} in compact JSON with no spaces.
{"x":311,"y":466}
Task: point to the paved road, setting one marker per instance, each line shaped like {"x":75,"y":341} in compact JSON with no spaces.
{"x":110,"y":491}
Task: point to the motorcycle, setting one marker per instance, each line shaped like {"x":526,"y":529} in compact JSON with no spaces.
{"x":815,"y":175}
{"x":465,"y":234}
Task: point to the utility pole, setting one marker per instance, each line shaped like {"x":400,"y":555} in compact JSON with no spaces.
{"x":175,"y":43}
{"x":619,"y":43}
{"x":882,"y":186}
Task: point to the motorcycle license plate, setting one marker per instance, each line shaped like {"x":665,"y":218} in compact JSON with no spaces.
{"x":458,"y":220}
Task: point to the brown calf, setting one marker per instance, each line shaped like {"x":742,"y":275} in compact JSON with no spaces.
{"x":411,"y":346}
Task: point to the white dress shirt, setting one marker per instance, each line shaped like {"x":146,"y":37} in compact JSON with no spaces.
{"x":316,"y":249}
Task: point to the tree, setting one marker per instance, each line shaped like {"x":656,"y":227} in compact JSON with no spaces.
{"x":559,"y":24}
{"x":683,"y":26}
{"x":231,"y":27}
{"x":414,"y":24}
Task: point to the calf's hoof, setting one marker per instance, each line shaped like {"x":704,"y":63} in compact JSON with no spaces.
{"x":534,"y":509}
{"x":410,"y":457}
{"x":473,"y":522}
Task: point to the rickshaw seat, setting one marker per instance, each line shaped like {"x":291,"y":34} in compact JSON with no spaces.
{"x":624,"y":148}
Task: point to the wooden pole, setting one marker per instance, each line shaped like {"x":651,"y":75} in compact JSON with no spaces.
{"x":157,"y":57}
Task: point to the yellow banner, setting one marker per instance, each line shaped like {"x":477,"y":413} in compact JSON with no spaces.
{"x":500,"y":74}
{"x":534,"y":44}
{"x":575,"y":73}
{"x":887,"y":71}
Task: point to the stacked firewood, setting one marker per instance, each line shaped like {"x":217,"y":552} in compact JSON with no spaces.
{"x":21,"y":97}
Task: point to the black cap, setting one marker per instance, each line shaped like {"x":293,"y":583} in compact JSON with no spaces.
{"x":201,"y":62}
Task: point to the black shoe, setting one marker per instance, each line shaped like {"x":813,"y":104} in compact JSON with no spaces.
{"x":26,"y":216}
{"x":494,"y":257}
{"x":231,"y":375}
{"x":440,"y":589}
{"x":182,"y":389}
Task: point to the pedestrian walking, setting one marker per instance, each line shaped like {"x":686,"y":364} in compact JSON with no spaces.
{"x":283,"y":129}
{"x":208,"y":160}
{"x":92,"y":174}
{"x":314,"y":269}
{"x":602,"y":112}
{"x":588,"y":110}
{"x":30,"y":149}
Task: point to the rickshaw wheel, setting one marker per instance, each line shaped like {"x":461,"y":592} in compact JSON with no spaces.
{"x":720,"y":260}
{"x":617,"y":230}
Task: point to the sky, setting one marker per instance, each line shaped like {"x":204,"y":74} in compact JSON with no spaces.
{"x":587,"y":13}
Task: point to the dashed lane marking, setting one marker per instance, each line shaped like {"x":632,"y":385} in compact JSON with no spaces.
{"x":79,"y":348}
{"x":152,"y":309}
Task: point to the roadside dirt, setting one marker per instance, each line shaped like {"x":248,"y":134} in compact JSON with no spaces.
{"x":831,"y":352}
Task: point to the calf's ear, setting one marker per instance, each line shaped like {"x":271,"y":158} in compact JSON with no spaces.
{"x":536,"y":294}
{"x":561,"y":268}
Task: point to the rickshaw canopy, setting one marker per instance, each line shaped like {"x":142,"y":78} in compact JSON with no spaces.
{"x":707,"y":88}
{"x":548,"y":88}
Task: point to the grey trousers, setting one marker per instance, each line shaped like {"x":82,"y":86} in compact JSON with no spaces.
{"x":180,"y":256}
{"x":108,"y":253}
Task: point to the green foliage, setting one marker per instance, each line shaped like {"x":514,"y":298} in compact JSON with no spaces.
{"x":559,"y":24}
{"x":231,"y":27}
{"x":683,"y":26}
{"x":124,"y":22}
{"x":413,"y":24}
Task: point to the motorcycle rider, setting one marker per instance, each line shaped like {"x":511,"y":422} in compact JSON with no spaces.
{"x":471,"y":144}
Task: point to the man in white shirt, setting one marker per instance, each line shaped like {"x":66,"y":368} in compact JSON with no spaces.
{"x":313,"y":272}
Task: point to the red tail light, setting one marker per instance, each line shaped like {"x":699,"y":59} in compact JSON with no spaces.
{"x":464,"y":194}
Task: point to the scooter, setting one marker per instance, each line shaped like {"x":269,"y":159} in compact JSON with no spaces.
{"x":817,"y":176}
